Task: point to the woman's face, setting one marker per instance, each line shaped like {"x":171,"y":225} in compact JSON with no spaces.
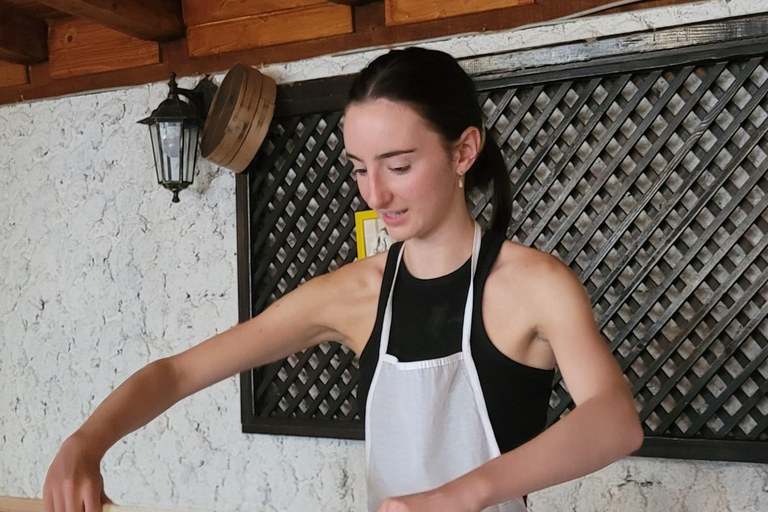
{"x":402,"y":167}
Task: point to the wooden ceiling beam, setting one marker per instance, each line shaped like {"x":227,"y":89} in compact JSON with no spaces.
{"x":307,"y":23}
{"x":151,"y":20}
{"x":23,"y":40}
{"x":403,"y":12}
{"x":200,"y":12}
{"x":370,"y":31}
{"x":81,"y":47}
{"x":13,"y":74}
{"x":352,"y":3}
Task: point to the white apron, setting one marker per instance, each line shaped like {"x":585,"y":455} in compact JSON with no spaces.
{"x":426,"y":422}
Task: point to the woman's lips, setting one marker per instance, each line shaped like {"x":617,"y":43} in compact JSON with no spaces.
{"x":394,"y":217}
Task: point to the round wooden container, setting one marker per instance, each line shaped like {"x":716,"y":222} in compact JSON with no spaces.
{"x":258,"y":129}
{"x":239,"y":118}
{"x":228,"y":97}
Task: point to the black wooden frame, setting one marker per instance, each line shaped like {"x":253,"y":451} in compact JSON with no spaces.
{"x":737,"y":38}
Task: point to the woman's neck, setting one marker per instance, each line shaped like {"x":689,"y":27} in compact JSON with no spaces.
{"x":442,"y":251}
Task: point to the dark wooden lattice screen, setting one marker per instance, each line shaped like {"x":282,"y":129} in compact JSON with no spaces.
{"x":647,"y":179}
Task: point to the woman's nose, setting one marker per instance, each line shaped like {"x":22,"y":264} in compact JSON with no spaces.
{"x":378,"y":193}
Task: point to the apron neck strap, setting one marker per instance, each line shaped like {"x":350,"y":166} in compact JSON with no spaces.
{"x":467,"y":326}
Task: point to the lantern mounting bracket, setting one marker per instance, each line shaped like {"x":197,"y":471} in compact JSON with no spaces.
{"x":201,"y":96}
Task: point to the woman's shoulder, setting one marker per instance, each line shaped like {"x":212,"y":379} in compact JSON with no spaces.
{"x":527,"y":269}
{"x":352,"y":281}
{"x":351,"y":296}
{"x":517,"y":259}
{"x":511,"y":304}
{"x":362,"y":274}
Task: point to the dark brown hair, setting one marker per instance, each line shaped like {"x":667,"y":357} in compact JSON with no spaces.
{"x":437,"y":88}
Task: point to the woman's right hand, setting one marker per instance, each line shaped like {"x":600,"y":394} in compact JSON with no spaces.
{"x":74,"y":482}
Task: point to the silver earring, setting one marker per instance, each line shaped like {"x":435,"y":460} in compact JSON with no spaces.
{"x":461,"y":181}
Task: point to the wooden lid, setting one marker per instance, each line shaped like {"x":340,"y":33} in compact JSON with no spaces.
{"x":239,"y":118}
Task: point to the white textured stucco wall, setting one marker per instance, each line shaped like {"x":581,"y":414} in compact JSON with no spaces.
{"x":100,"y":274}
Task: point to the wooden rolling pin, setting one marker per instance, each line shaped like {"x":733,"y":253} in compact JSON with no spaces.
{"x":36,"y":505}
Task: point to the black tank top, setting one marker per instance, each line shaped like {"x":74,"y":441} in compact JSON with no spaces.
{"x":426,"y":324}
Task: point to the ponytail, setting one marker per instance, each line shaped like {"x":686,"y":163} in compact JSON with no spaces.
{"x":490,"y":170}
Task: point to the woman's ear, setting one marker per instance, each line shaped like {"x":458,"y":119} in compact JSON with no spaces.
{"x":466,"y":149}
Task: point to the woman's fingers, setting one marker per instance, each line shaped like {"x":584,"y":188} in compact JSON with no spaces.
{"x":72,"y":500}
{"x":48,"y":499}
{"x":58,"y":502}
{"x":92,"y":499}
{"x":73,"y":482}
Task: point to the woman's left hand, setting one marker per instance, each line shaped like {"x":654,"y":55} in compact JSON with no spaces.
{"x":437,"y":500}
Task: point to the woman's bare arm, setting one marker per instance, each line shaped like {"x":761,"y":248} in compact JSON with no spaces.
{"x":293,"y":323}
{"x":602,"y":428}
{"x":299,"y":320}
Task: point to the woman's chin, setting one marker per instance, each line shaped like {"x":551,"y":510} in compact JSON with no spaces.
{"x":396,"y":233}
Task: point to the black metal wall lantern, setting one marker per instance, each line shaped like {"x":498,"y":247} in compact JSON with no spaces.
{"x":174,"y":128}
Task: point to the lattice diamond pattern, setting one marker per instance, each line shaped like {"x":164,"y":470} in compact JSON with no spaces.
{"x":303,"y":225}
{"x":651,"y":186}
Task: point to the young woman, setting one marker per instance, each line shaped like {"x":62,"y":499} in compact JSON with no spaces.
{"x":458,"y":330}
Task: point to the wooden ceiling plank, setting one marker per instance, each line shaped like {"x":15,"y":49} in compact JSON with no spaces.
{"x":370,"y":31}
{"x":23,"y":40}
{"x":353,"y":3}
{"x":34,"y":9}
{"x":80,"y":47}
{"x":199,"y":12}
{"x":312,"y":22}
{"x":13,"y":74}
{"x":400,"y":12}
{"x":151,"y":20}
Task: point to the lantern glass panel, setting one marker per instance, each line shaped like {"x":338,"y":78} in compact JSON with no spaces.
{"x":170,"y":138}
{"x":154,"y":134}
{"x":190,"y":151}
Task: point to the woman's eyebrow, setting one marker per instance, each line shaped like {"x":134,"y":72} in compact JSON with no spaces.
{"x":384,"y":156}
